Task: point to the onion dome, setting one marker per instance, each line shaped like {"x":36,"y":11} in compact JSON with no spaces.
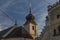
{"x":30,"y":17}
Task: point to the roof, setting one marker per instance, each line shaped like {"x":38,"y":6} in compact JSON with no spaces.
{"x":4,"y":31}
{"x":16,"y":33}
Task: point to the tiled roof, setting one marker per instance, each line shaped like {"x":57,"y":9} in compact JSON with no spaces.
{"x":16,"y":33}
{"x":4,"y":31}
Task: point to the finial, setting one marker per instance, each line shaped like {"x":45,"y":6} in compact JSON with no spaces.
{"x":30,"y":5}
{"x":30,"y":8}
{"x":15,"y":22}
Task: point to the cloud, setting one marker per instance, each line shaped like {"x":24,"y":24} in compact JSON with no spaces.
{"x":2,"y":27}
{"x":41,"y":22}
{"x":5,"y":4}
{"x":5,"y":24}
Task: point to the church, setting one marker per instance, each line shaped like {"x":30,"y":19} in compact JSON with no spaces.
{"x":51,"y":30}
{"x":26,"y":32}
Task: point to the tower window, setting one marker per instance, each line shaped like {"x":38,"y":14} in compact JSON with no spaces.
{"x":58,"y":16}
{"x":33,"y":27}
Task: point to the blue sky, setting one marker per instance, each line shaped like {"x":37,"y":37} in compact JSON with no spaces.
{"x":18,"y":9}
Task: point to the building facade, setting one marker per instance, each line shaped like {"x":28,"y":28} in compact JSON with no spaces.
{"x":52,"y":28}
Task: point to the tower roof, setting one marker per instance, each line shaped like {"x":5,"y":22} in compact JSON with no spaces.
{"x":30,"y":16}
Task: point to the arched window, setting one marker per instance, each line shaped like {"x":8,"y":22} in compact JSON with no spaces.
{"x":54,"y":32}
{"x":59,"y":29}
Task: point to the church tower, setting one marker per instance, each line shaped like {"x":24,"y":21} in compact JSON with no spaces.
{"x":30,"y":25}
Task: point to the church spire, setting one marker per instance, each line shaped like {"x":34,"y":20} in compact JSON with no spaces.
{"x":30,"y":17}
{"x":30,"y":8}
{"x":15,"y":22}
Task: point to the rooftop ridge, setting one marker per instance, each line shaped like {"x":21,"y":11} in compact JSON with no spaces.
{"x":50,"y":7}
